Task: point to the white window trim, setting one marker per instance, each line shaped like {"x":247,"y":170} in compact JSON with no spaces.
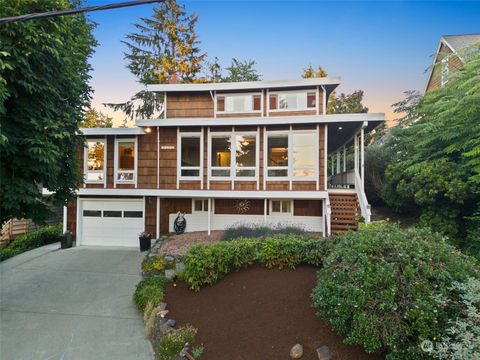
{"x":135,"y":171}
{"x":444,"y":71}
{"x":239,"y":112}
{"x":233,"y":157}
{"x":289,"y":168}
{"x":203,"y":211}
{"x":181,"y":135}
{"x":85,"y":162}
{"x":293,"y":92}
{"x":290,"y":213}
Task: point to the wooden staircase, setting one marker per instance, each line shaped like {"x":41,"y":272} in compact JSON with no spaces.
{"x":344,"y":212}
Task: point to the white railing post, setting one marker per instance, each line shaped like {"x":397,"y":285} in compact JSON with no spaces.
{"x":362,"y":199}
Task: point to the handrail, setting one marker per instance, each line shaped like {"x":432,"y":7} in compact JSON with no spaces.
{"x":328,"y":217}
{"x":362,"y":199}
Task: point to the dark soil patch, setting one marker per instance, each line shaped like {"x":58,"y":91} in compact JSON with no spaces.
{"x":258,"y":314}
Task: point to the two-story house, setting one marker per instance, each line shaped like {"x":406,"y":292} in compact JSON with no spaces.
{"x":450,"y":56}
{"x":261,"y":152}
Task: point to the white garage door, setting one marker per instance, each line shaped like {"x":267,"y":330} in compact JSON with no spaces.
{"x":108,"y":222}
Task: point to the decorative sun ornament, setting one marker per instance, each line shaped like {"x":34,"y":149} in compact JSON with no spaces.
{"x":242,"y":206}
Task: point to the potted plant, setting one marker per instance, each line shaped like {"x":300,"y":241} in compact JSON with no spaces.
{"x":66,"y":240}
{"x":145,"y":241}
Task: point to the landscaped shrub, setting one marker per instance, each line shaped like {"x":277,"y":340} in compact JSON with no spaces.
{"x":242,"y":230}
{"x":461,"y":339}
{"x":379,"y":286}
{"x":172,"y":343}
{"x":153,"y":265}
{"x":205,"y":264}
{"x":43,"y":236}
{"x":150,"y":289}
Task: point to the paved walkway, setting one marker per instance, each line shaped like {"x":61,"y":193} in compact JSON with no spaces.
{"x":71,"y":304}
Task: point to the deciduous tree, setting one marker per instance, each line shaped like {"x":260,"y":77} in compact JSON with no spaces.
{"x":94,"y":118}
{"x":436,"y":168}
{"x":44,"y":75}
{"x":342,"y":104}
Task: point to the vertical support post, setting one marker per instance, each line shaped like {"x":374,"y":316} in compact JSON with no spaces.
{"x":157,"y":222}
{"x":362,"y":157}
{"x":325,"y":151}
{"x":209,"y":220}
{"x":64,"y":219}
{"x":338,"y":162}
{"x":355,"y":148}
{"x":344,"y":158}
{"x":265,"y":202}
{"x":333,"y":165}
{"x":158,"y":157}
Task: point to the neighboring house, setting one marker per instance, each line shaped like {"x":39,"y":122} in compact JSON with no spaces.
{"x":450,"y":56}
{"x":248,"y":152}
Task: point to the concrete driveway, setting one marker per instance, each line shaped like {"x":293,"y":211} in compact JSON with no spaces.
{"x":71,"y":304}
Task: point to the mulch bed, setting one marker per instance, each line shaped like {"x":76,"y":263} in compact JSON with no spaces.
{"x":257,"y":314}
{"x":179,"y":244}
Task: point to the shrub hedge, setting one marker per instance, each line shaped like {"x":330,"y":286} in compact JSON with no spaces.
{"x":238,"y":231}
{"x":380,"y":287}
{"x":150,"y":289}
{"x":43,"y":236}
{"x":205,"y":264}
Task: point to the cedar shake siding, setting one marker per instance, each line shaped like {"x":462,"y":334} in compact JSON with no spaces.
{"x":454,"y":63}
{"x":191,"y":105}
{"x":148,"y":165}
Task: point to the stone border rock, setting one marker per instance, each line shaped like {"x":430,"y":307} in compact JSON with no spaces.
{"x":162,"y":325}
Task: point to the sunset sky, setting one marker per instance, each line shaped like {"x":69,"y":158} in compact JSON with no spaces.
{"x":381,"y":47}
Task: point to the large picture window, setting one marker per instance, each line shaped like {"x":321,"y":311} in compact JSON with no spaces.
{"x":95,"y":161}
{"x":233,"y":155}
{"x":190,"y":155}
{"x":125,"y":167}
{"x":239,"y":103}
{"x":304,"y":155}
{"x":221,"y":157}
{"x":245,"y":148}
{"x":294,"y":100}
{"x":277,"y":160}
{"x":292,"y":155}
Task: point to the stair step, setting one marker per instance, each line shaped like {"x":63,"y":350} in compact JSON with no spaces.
{"x":344,"y":227}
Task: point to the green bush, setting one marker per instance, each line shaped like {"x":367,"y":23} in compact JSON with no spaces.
{"x":43,"y":236}
{"x":261,"y":231}
{"x":379,"y":286}
{"x":205,"y":264}
{"x":172,"y":343}
{"x":461,"y":338}
{"x":150,"y":289}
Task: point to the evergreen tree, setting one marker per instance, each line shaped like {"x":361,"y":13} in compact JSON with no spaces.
{"x":242,"y":71}
{"x":163,"y":45}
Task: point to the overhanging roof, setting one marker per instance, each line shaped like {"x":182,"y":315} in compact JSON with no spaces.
{"x":266,"y":120}
{"x":330,"y":82}
{"x":111,"y":131}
